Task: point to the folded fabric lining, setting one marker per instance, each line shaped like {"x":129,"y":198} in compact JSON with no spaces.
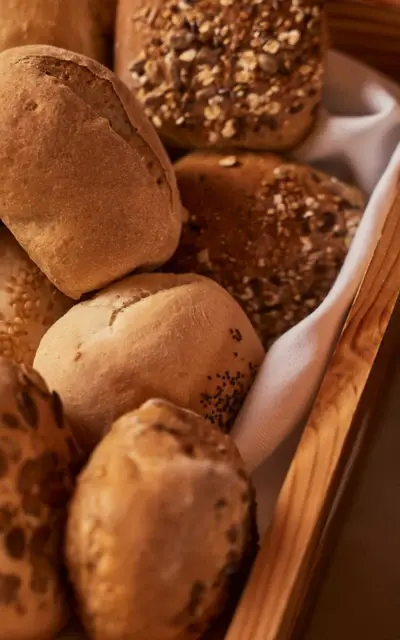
{"x":357,"y":138}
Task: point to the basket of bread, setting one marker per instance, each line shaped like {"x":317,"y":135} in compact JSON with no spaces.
{"x":200,"y":250}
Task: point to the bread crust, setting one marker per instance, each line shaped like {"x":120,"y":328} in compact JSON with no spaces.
{"x":273,"y":233}
{"x":69,"y":25}
{"x":29,"y":303}
{"x":38,"y":462}
{"x":161,"y":531}
{"x":87,"y":187}
{"x":182,"y":338}
{"x":230,"y":74}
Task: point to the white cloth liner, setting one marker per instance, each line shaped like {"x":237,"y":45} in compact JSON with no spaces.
{"x":357,"y":139}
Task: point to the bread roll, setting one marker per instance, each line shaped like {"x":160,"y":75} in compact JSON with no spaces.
{"x":224,"y":74}
{"x":67,"y":24}
{"x":161,"y":531}
{"x":274,"y":234}
{"x":38,"y":460}
{"x":182,"y":338}
{"x":99,"y":199}
{"x":29,"y":303}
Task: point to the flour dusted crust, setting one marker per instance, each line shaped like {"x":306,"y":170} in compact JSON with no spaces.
{"x":100,"y":197}
{"x":68,"y":24}
{"x":29,"y":303}
{"x":161,"y":531}
{"x":182,"y":338}
{"x":224,"y":73}
{"x":273,"y":233}
{"x":38,"y":460}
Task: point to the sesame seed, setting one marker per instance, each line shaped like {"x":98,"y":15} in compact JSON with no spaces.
{"x":188,"y":56}
{"x":228,"y":161}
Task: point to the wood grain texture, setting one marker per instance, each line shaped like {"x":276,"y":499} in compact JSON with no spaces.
{"x":274,"y":594}
{"x":356,"y":587}
{"x":369,"y":31}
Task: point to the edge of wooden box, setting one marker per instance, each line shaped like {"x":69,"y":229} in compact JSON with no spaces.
{"x":283,"y":571}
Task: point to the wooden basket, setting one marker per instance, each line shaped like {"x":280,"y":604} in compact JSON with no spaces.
{"x":275,"y":596}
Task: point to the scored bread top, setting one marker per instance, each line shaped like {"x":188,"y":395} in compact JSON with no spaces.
{"x":179,"y":337}
{"x":100,"y":197}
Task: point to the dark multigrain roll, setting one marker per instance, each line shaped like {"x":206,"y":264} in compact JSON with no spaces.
{"x":100,"y":197}
{"x":225,"y":74}
{"x":179,"y":337}
{"x":162,"y":532}
{"x":273,"y":233}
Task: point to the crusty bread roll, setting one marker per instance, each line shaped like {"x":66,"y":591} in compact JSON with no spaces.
{"x":274,"y":234}
{"x":99,"y":199}
{"x":224,"y":74}
{"x":161,"y":531}
{"x":38,"y":460}
{"x":182,"y":338}
{"x":62,"y":23}
{"x":29,"y":303}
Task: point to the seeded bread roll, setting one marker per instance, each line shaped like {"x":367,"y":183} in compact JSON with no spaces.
{"x":182,"y":338}
{"x":161,"y":531}
{"x":224,"y":74}
{"x":100,"y":197}
{"x":38,"y":460}
{"x":274,"y":234}
{"x":69,"y":25}
{"x":29,"y":303}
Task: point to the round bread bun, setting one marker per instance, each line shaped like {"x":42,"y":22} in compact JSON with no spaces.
{"x":179,"y":337}
{"x":29,"y":303}
{"x":38,"y":460}
{"x":161,"y":530}
{"x":273,"y":233}
{"x":224,"y":74}
{"x":100,"y":197}
{"x":67,"y":24}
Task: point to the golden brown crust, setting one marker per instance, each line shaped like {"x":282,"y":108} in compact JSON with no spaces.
{"x":38,"y":460}
{"x":182,"y":338}
{"x":69,"y":25}
{"x":100,"y":197}
{"x":161,"y":528}
{"x":29,"y":303}
{"x":274,"y":234}
{"x":226,"y":74}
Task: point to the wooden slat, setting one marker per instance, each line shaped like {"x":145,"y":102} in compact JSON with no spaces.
{"x":369,"y":31}
{"x":271,"y":600}
{"x":368,"y":421}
